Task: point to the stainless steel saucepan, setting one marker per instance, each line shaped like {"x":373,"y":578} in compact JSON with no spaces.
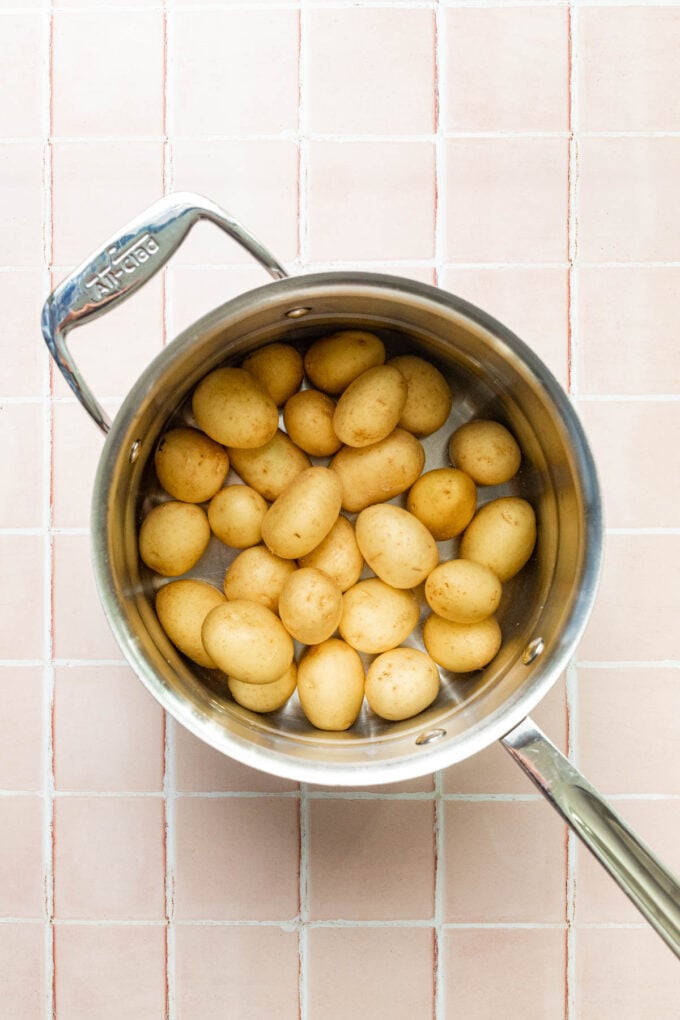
{"x":544,"y":610}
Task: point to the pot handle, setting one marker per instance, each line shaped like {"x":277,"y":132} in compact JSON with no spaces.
{"x":124,"y":264}
{"x":644,"y":879}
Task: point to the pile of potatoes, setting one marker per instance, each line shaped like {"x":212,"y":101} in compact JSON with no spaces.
{"x":323,"y":559}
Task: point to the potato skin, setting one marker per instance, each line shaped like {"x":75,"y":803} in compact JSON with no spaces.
{"x":338,"y":555}
{"x":173,"y":537}
{"x":247,"y":641}
{"x":429,"y":396}
{"x":331,"y":685}
{"x":376,"y":617}
{"x":271,"y":467}
{"x":257,"y":575}
{"x":233,"y":408}
{"x":369,"y":409}
{"x":486,"y":451}
{"x":396,"y":546}
{"x":401,"y":683}
{"x":376,"y":473}
{"x":190,"y":466}
{"x":444,"y":500}
{"x":334,"y":361}
{"x":308,"y":417}
{"x":303,"y":514}
{"x":278,"y":367}
{"x":310,"y":605}
{"x":463,"y":591}
{"x":501,"y":536}
{"x":181,"y":607}
{"x":462,"y":647}
{"x":264,"y":697}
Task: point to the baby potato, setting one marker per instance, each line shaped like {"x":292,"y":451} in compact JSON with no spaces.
{"x":271,"y":467}
{"x":278,"y":367}
{"x":396,"y":546}
{"x":375,"y":473}
{"x":501,"y":536}
{"x":235,"y":515}
{"x":308,"y":417}
{"x":181,"y":607}
{"x":463,"y":591}
{"x":310,"y":605}
{"x":429,"y":397}
{"x":303,"y":514}
{"x":486,"y":451}
{"x":331,"y":685}
{"x":444,"y":500}
{"x":401,"y":683}
{"x":234,"y":408}
{"x":173,"y":537}
{"x":264,"y":697}
{"x":369,"y":409}
{"x":332,"y":362}
{"x":462,"y":647}
{"x":338,"y":555}
{"x":247,"y":642}
{"x":190,"y":466}
{"x":258,"y":576}
{"x":376,"y":617}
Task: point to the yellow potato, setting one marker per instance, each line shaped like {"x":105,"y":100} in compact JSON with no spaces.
{"x":279,"y":368}
{"x":331,"y":685}
{"x":370,"y":407}
{"x":376,"y":617}
{"x":235,"y":515}
{"x":247,"y":641}
{"x":429,"y":398}
{"x":501,"y":536}
{"x":310,"y":605}
{"x":486,"y":451}
{"x":463,"y":591}
{"x":303,"y":514}
{"x":190,"y":466}
{"x":401,"y":683}
{"x":332,"y":362}
{"x":338,"y":555}
{"x":396,"y":546}
{"x":257,"y":575}
{"x":264,"y":697}
{"x":445,"y":500}
{"x":234,"y":409}
{"x":462,"y":647}
{"x":181,"y":607}
{"x":173,"y":537}
{"x":375,"y":473}
{"x":308,"y":417}
{"x":270,"y":468}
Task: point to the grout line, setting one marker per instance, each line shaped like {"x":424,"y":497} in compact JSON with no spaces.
{"x":572,"y":848}
{"x":303,"y":143}
{"x":472,"y":798}
{"x":439,"y":880}
{"x":290,"y":925}
{"x":304,"y":911}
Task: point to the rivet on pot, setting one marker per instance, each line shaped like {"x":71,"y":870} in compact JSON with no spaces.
{"x":533,"y":650}
{"x":430,"y":736}
{"x":297,"y":313}
{"x":135,"y":450}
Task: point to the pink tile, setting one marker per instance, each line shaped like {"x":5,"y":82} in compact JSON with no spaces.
{"x":23,"y":82}
{"x":598,"y":898}
{"x":21,"y":447}
{"x":628,"y":202}
{"x":219,"y":972}
{"x":24,"y":354}
{"x":370,"y":859}
{"x":250,"y":88}
{"x":22,"y":889}
{"x":110,"y":972}
{"x":21,"y":728}
{"x":385,"y":973}
{"x":81,"y":630}
{"x":627,"y":68}
{"x":635,"y":614}
{"x":109,"y":858}
{"x":371,"y":200}
{"x":390,"y":89}
{"x":504,"y":861}
{"x":632,"y":312}
{"x":252,"y":840}
{"x":624,"y":974}
{"x":195,"y":290}
{"x":23,"y":615}
{"x":76,"y":446}
{"x":506,"y":69}
{"x":487,"y":972}
{"x":98,"y":187}
{"x":129,"y":51}
{"x":22,"y":971}
{"x":636,"y":708}
{"x":405,"y":270}
{"x":255,"y":181}
{"x":21,"y":239}
{"x":622,"y":433}
{"x":201,"y":769}
{"x":506,"y":200}
{"x":108,"y":731}
{"x":533,"y":303}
